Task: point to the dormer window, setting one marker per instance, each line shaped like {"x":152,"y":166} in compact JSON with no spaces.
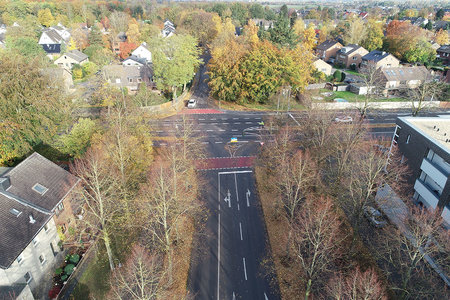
{"x":39,"y":188}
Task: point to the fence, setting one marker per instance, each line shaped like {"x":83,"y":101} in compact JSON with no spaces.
{"x":169,"y":107}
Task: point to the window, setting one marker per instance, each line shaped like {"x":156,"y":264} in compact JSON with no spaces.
{"x":408,"y":138}
{"x":39,"y":188}
{"x":35,"y":241}
{"x":19,"y":259}
{"x":130,"y":80}
{"x":59,"y":208}
{"x":46,"y":228}
{"x":117,"y":80}
{"x":27,"y":277}
{"x":139,"y":79}
{"x":42,"y":259}
{"x":355,"y":57}
{"x":53,"y":249}
{"x":15,"y":212}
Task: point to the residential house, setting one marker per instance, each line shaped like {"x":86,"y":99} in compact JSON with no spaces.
{"x":378,"y":59}
{"x":350,"y":56}
{"x":444,"y":25}
{"x":134,"y":61}
{"x":143,"y":53}
{"x":118,"y":40}
{"x":59,"y":77}
{"x":71,"y":58}
{"x":129,"y":77}
{"x":323,"y":67}
{"x":443,"y":53}
{"x":425,"y":143}
{"x":265,"y":24}
{"x":36,"y":197}
{"x":2,"y":28}
{"x":53,"y":37}
{"x":169,"y":29}
{"x":392,"y":79}
{"x":327,"y":50}
{"x":2,"y":40}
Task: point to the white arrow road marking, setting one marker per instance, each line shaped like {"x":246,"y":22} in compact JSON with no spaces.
{"x":248,"y":195}
{"x":240,"y":230}
{"x":234,"y":296}
{"x":245,"y":269}
{"x":228,"y":198}
{"x":265,"y":297}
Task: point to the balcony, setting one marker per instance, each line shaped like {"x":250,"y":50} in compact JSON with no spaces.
{"x":428,"y":195}
{"x":434,"y":172}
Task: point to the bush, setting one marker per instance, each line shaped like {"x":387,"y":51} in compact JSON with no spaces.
{"x":337,"y":76}
{"x":58,"y":271}
{"x":74,"y":258}
{"x":89,"y":68}
{"x":77,"y":72}
{"x":68,"y":269}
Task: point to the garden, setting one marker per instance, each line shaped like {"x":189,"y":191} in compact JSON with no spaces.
{"x":63,"y":273}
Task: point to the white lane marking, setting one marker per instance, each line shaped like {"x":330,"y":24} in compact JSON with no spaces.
{"x":237,"y":123}
{"x":235,"y":172}
{"x":234,"y":130}
{"x":209,"y":130}
{"x":202,"y":119}
{"x":247,"y":118}
{"x":234,"y":296}
{"x":218,"y":242}
{"x":213,"y":119}
{"x":163,"y":144}
{"x":198,"y":130}
{"x":258,"y":118}
{"x":218,"y":258}
{"x":240,"y":230}
{"x":205,"y":143}
{"x":225,"y":123}
{"x":248,"y":195}
{"x":235,"y":185}
{"x":214,"y":123}
{"x":370,"y":119}
{"x":239,"y":207}
{"x":265,"y":297}
{"x":221,"y":129}
{"x":390,"y":119}
{"x":235,"y":118}
{"x":224,"y":119}
{"x":219,"y":142}
{"x":245,"y":269}
{"x":248,"y":122}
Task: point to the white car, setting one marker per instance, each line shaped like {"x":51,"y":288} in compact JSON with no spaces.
{"x":346,"y":119}
{"x":192,"y":103}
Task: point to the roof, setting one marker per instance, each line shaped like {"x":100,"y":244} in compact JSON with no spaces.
{"x":405,"y":73}
{"x":136,"y":59}
{"x":350,"y":48}
{"x":327,"y":45}
{"x":37,"y":169}
{"x":17,"y":232}
{"x":435,"y":129}
{"x":444,"y":49}
{"x":77,"y":55}
{"x":375,"y":55}
{"x":53,"y":35}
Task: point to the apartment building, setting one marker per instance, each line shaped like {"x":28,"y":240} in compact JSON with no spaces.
{"x":425,"y":144}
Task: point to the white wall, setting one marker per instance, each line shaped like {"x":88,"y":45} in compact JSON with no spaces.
{"x":30,"y":259}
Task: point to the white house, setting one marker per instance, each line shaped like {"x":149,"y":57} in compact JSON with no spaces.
{"x":143,"y":52}
{"x":53,"y":37}
{"x":134,"y":61}
{"x":71,"y":58}
{"x":169,"y":29}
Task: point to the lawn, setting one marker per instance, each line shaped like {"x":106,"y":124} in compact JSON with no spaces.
{"x":270,"y":106}
{"x":351,"y":97}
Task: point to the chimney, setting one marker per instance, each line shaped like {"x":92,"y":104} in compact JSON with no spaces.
{"x":32,"y":220}
{"x":5,"y":183}
{"x":383,"y":53}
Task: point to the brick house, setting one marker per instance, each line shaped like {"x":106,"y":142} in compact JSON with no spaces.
{"x":443,"y":53}
{"x":350,"y":55}
{"x":327,"y":50}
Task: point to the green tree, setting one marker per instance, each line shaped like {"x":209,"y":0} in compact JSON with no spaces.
{"x":284,"y":11}
{"x":423,"y":52}
{"x":440,"y":14}
{"x":174,"y":61}
{"x":76,"y":142}
{"x":95,"y":37}
{"x":30,"y":111}
{"x":256,"y":11}
{"x":282,"y":34}
{"x":89,"y":68}
{"x":26,"y":46}
{"x":374,"y":38}
{"x":239,"y":12}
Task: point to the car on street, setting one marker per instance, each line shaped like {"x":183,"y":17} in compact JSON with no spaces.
{"x":343,"y":119}
{"x":192,"y":103}
{"x":374,"y":217}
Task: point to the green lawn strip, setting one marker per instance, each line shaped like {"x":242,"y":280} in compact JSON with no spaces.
{"x":95,"y":279}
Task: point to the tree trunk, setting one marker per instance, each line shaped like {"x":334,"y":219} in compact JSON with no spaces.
{"x":107,"y":241}
{"x":174,"y":89}
{"x":308,"y":289}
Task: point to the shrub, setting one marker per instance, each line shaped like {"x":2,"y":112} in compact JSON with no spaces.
{"x":68,"y":269}
{"x":337,"y":76}
{"x":58,"y":271}
{"x":74,"y":258}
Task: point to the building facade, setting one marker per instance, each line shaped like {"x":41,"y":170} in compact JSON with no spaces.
{"x":425,"y":144}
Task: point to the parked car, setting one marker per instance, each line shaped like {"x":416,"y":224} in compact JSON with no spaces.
{"x":374,"y":216}
{"x":192,"y":103}
{"x":344,"y":119}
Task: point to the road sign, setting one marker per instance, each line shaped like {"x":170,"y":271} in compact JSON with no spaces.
{"x":233,"y":140}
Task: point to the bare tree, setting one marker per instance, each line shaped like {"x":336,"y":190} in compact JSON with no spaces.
{"x":99,"y":194}
{"x":372,"y":84}
{"x":191,"y":144}
{"x":411,"y":247}
{"x":317,"y":241}
{"x":357,"y":285}
{"x":355,"y":32}
{"x":427,"y":90}
{"x":139,"y":278}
